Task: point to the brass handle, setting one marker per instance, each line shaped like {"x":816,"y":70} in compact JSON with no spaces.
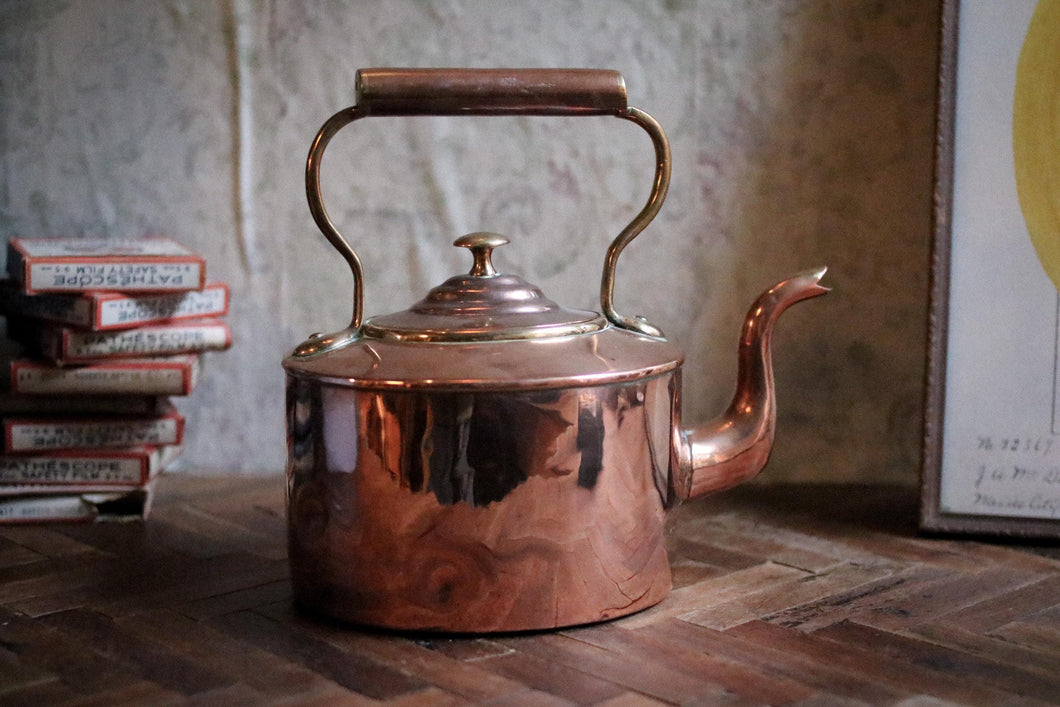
{"x":490,"y":91}
{"x":393,"y":92}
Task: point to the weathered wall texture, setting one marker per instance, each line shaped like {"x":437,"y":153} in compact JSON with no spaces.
{"x":802,"y":135}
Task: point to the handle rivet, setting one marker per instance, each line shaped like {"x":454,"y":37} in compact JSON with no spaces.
{"x":481,"y":245}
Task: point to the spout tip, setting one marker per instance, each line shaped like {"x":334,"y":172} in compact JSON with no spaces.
{"x":815,"y":275}
{"x":800,"y":286}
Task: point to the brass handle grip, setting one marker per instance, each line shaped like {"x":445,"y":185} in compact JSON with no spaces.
{"x":490,"y":91}
{"x":390,"y":92}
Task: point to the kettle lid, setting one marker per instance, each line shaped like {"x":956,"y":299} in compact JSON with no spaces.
{"x":483,"y":305}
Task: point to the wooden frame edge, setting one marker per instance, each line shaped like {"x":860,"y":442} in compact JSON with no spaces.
{"x":932,"y":518}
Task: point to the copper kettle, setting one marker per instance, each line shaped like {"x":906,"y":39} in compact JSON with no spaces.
{"x":489,"y":460}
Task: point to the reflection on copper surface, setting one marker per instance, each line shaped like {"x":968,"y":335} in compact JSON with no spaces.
{"x":479,"y":511}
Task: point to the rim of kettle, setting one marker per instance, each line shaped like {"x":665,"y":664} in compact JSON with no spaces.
{"x":603,"y":357}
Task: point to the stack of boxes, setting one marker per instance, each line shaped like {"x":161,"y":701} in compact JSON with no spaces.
{"x":101,"y":335}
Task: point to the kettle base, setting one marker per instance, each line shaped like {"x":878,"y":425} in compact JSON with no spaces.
{"x":342,"y":612}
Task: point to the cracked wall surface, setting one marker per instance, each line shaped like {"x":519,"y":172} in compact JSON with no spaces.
{"x":802,"y":134}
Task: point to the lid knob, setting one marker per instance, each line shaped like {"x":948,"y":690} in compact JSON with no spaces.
{"x":481,"y":245}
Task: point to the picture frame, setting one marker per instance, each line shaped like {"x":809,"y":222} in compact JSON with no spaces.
{"x":991,"y":453}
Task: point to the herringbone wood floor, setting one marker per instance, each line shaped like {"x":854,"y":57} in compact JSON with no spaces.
{"x":785,"y":595}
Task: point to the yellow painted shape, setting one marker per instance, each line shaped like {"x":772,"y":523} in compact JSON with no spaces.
{"x":1036,"y":134}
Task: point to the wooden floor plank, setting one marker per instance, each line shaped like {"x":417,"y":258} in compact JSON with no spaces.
{"x":987,"y":647}
{"x":473,"y":681}
{"x":331,"y":696}
{"x":785,"y":596}
{"x":123,"y":578}
{"x":213,"y":576}
{"x":188,"y":541}
{"x":714,"y":591}
{"x":1039,"y":632}
{"x":235,"y":535}
{"x":1010,"y":606}
{"x":1015,"y":556}
{"x":147,"y":659}
{"x":556,"y":679}
{"x":630,"y":699}
{"x":844,"y":604}
{"x":239,"y":661}
{"x":428,"y":697}
{"x":859,"y":523}
{"x":823,"y":676}
{"x":238,"y":599}
{"x":18,"y":677}
{"x":863,"y":659}
{"x":73,"y":661}
{"x":701,"y":522}
{"x":529,"y":698}
{"x":689,"y":546}
{"x":127,"y":588}
{"x":13,"y":553}
{"x":754,"y":685}
{"x":50,"y":541}
{"x":464,"y":648}
{"x":469,"y":677}
{"x":135,"y":694}
{"x":923,"y":601}
{"x":961,"y":666}
{"x":349,"y":670}
{"x":643,"y":674}
{"x":131,"y":539}
{"x":53,"y":576}
{"x":684,"y":572}
{"x":782,"y":548}
{"x":52,"y":692}
{"x":231,"y":696}
{"x":259,"y":511}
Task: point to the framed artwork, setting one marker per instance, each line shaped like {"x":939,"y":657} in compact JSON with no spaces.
{"x":992,"y":422}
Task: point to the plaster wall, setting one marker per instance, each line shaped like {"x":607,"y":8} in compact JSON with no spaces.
{"x":802,"y":134}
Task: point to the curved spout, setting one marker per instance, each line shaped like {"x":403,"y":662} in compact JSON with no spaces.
{"x":735,"y":446}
